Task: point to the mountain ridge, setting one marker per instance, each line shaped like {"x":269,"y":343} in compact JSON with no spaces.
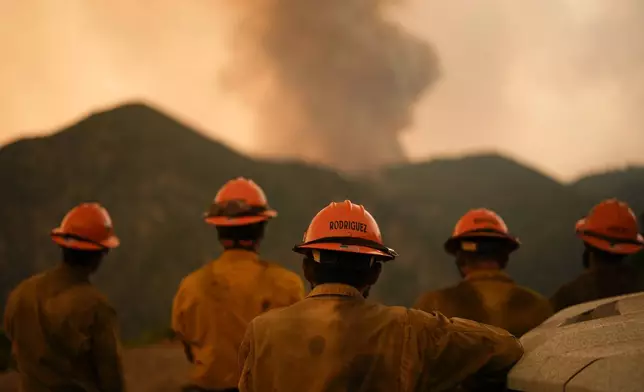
{"x":157,"y":176}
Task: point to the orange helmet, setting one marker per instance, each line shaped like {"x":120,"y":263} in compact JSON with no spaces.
{"x":611,"y":226}
{"x":87,"y":226}
{"x":345,"y":227}
{"x":239,"y":202}
{"x":480,"y":223}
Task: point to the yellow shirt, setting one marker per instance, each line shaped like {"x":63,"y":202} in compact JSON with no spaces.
{"x":602,"y":281}
{"x":335,"y":340}
{"x":214,"y":305}
{"x":64,"y":334}
{"x":490,"y":297}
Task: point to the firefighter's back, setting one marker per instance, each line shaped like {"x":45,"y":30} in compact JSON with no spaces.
{"x":597,"y":283}
{"x":330,"y":345}
{"x":50,"y":317}
{"x":491,"y":298}
{"x":336,"y":341}
{"x":215,"y":304}
{"x":514,"y":308}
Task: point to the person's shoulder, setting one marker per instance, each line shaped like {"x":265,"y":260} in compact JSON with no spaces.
{"x":433,"y":294}
{"x":91,"y":296}
{"x":395,"y":314}
{"x":428,"y":321}
{"x":23,"y":285}
{"x":196,"y":277}
{"x":437,"y":324}
{"x":431,"y":299}
{"x":277,"y":268}
{"x":85,"y":302}
{"x":26,"y":286}
{"x":276,"y":315}
{"x":424,"y":318}
{"x":17,"y":294}
{"x":571,"y":292}
{"x":398,"y":312}
{"x":525,"y":299}
{"x":530,"y":293}
{"x":32,"y":280}
{"x":281,"y":274}
{"x":574,"y":285}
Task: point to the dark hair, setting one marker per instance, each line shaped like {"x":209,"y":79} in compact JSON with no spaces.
{"x":605,"y":257}
{"x":487,"y":249}
{"x":252,"y":232}
{"x":78,"y":257}
{"x":341,"y":267}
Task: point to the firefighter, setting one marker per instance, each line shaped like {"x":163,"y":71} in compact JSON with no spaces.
{"x":336,"y":340}
{"x":610,"y":233}
{"x":215,"y":303}
{"x":482,"y":244}
{"x":63,"y":332}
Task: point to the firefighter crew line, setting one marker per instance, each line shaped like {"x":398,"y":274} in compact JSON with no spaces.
{"x":246,"y":324}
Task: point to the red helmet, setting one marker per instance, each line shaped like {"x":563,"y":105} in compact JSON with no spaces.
{"x":345,"y":227}
{"x":86,"y":227}
{"x":239,"y":202}
{"x":611,"y":226}
{"x":480,"y":223}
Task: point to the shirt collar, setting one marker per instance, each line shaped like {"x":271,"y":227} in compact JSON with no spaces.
{"x":335,"y":289}
{"x":238,"y":255}
{"x":69,"y":272}
{"x":489,"y":275}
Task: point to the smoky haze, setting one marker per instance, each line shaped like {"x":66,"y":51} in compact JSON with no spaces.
{"x":333,"y":82}
{"x":557,"y":84}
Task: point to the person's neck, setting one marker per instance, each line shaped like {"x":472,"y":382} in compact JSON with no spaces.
{"x":602,"y":264}
{"x":363,"y":290}
{"x":481,"y":267}
{"x":79,"y":272}
{"x":247,"y":245}
{"x":241,"y":249}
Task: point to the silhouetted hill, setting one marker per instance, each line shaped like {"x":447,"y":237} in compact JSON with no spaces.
{"x":157,"y":177}
{"x":626,"y":184}
{"x":536,"y":208}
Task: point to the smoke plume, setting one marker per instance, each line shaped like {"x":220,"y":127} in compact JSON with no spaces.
{"x":333,"y":82}
{"x":559,"y":84}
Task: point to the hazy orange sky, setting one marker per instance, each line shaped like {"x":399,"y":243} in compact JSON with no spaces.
{"x":557,"y":84}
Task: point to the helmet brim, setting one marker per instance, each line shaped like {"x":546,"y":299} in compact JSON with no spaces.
{"x":241,"y":220}
{"x":304,"y":249}
{"x":581,"y":223}
{"x":620,"y":248}
{"x":452,"y":245}
{"x":58,"y":236}
{"x":616,"y":246}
